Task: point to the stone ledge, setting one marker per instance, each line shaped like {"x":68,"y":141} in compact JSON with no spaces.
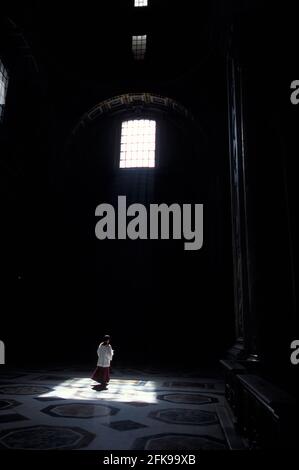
{"x":265,"y":392}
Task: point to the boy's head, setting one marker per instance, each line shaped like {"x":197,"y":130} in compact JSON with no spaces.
{"x":106,"y":339}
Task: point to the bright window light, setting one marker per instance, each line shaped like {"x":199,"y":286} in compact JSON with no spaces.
{"x":3,"y":88}
{"x":139,"y":46}
{"x":138,"y":144}
{"x":140,"y":3}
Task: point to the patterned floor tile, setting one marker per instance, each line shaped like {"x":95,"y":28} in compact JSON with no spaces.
{"x":185,"y":416}
{"x":49,"y":399}
{"x":178,"y":415}
{"x":45,"y":438}
{"x":7,"y":404}
{"x":9,"y":418}
{"x":80,"y":410}
{"x":125,"y":425}
{"x":178,"y":442}
{"x":188,"y":398}
{"x":23,"y":390}
{"x":208,"y":386}
{"x":137,"y":403}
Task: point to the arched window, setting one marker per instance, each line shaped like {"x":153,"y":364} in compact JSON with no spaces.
{"x":138,"y":144}
{"x":3,"y":88}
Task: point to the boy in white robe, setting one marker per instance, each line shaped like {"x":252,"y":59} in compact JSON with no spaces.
{"x":105,"y":354}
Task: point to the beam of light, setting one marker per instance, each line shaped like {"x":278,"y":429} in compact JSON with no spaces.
{"x":119,"y":390}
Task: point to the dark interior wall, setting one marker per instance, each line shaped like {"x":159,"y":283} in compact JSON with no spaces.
{"x":24,"y":154}
{"x":139,"y":290}
{"x":65,"y":288}
{"x":72,"y":288}
{"x":269,"y":61}
{"x":269,"y":214}
{"x":62,"y":288}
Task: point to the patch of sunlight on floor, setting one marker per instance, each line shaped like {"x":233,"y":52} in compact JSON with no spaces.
{"x":119,"y":390}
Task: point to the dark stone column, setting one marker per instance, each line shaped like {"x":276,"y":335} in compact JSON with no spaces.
{"x":246,"y":346}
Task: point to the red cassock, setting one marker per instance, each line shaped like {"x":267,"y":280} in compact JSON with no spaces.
{"x":101,"y":375}
{"x":102,"y":371}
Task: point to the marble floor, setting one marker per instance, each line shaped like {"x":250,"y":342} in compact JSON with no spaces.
{"x":141,"y":409}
